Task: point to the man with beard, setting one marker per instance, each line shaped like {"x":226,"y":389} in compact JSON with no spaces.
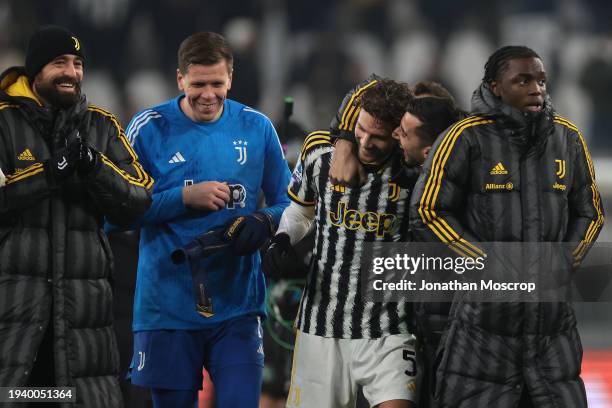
{"x":346,"y":170}
{"x":343,"y":340}
{"x":431,"y":111}
{"x":510,"y":354}
{"x":65,"y":166}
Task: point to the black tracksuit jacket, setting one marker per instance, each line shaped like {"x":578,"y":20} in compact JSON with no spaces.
{"x":55,"y":261}
{"x":504,"y":176}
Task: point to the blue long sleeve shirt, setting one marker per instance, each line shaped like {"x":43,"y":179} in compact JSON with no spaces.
{"x":242,"y":149}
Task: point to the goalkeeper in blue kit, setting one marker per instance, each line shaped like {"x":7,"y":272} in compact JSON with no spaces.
{"x":210,"y":157}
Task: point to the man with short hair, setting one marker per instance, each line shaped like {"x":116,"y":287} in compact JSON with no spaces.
{"x":345,"y":169}
{"x":425,"y":118}
{"x":211,"y":156}
{"x":344,"y":341}
{"x":64,"y":166}
{"x":431,"y":111}
{"x":510,"y":354}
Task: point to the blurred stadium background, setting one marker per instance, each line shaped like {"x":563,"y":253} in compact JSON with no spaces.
{"x":316,"y":50}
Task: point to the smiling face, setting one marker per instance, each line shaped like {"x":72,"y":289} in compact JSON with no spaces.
{"x":522,"y":84}
{"x":205,"y":88}
{"x":413,"y":147}
{"x":373,"y":139}
{"x":59,"y":82}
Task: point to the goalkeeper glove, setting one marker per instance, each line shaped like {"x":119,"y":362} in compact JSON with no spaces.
{"x":248,"y":233}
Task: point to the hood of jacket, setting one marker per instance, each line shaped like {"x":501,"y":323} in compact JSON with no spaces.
{"x":485,"y":103}
{"x":15,"y":87}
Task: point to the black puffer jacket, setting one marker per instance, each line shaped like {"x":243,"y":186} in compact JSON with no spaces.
{"x":504,"y":176}
{"x":55,"y":261}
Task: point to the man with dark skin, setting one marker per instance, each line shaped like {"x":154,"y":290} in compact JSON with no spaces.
{"x":509,"y":354}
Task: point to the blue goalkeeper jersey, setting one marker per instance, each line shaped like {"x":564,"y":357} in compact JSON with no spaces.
{"x":242,"y":149}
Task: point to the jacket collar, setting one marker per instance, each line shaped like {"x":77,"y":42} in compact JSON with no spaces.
{"x":485,"y":103}
{"x":527,"y":125}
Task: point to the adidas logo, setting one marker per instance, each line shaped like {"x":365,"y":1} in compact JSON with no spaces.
{"x":177,"y":158}
{"x":498,"y":170}
{"x":26,"y":155}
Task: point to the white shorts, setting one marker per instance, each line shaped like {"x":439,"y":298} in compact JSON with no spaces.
{"x":326,"y":371}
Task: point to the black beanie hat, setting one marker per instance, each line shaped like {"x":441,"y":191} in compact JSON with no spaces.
{"x":47,"y":43}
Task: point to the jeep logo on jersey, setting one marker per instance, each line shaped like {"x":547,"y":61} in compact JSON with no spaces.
{"x":241,"y":146}
{"x":237,"y":196}
{"x":369,"y":221}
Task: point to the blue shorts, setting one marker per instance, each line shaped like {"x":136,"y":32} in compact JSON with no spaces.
{"x":232,"y":353}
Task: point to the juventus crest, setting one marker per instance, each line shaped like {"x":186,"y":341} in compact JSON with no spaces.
{"x":241,"y":146}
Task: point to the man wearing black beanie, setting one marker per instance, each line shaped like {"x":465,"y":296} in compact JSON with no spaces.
{"x":47,"y":77}
{"x":65,"y":166}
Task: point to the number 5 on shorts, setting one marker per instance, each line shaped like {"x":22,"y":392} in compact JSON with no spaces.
{"x":410,"y":356}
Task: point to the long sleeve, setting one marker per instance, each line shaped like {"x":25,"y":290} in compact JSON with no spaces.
{"x":24,"y":188}
{"x":303,"y":191}
{"x":166,"y":205}
{"x":120,"y":186}
{"x":438,"y":194}
{"x":276,"y":176}
{"x":586,"y":215}
{"x":296,"y":221}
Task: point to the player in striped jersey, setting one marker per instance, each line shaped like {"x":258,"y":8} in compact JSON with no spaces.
{"x":345,"y":169}
{"x":432,"y":110}
{"x":357,"y":342}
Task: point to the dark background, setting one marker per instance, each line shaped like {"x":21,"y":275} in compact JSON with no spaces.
{"x":315,"y":51}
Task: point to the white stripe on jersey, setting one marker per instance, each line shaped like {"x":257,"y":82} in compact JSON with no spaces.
{"x":136,"y":120}
{"x":344,"y":250}
{"x":247,"y":109}
{"x":350,"y":300}
{"x":319,"y":234}
{"x":335,"y":282}
{"x":142,"y":120}
{"x":381,"y":206}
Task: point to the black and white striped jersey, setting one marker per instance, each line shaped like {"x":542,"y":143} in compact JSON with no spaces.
{"x":332,"y":304}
